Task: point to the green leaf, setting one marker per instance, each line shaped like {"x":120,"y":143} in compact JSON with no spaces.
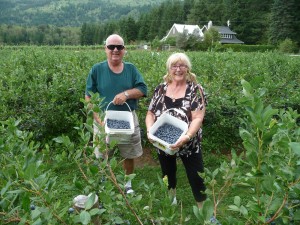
{"x":96,"y":211}
{"x":258,"y":109}
{"x":85,"y":217}
{"x":197,"y":213}
{"x":247,"y":89}
{"x":268,"y":113}
{"x":244,"y":134}
{"x":30,"y":171}
{"x":297,"y":215}
{"x":78,"y":185}
{"x":26,"y":202}
{"x":237,"y":201}
{"x":207,"y":209}
{"x":90,"y":202}
{"x":130,"y":177}
{"x":118,"y":220}
{"x":268,"y":184}
{"x":243,"y":210}
{"x":35,"y":213}
{"x":93,"y":169}
{"x":89,"y":128}
{"x":3,"y":190}
{"x":58,"y":140}
{"x":234,"y":208}
{"x":295,"y":147}
{"x":38,"y":222}
{"x":215,"y":173}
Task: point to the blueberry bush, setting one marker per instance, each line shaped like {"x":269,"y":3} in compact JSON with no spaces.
{"x":46,"y":126}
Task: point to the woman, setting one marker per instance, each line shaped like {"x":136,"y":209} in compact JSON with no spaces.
{"x":181,"y":90}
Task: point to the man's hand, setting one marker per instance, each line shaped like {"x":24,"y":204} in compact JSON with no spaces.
{"x":119,"y":99}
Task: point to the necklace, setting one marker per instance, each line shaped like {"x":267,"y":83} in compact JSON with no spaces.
{"x":172,"y":95}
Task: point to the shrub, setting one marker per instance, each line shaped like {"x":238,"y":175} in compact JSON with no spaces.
{"x":288,"y":46}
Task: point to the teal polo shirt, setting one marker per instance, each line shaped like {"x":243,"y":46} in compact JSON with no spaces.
{"x":101,"y":79}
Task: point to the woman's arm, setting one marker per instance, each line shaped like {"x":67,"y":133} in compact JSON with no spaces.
{"x":196,"y":123}
{"x":150,"y":119}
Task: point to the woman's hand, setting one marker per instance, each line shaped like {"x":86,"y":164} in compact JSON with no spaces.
{"x":180,"y":142}
{"x":148,"y":136}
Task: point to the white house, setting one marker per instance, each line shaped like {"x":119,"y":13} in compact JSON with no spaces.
{"x":180,"y":28}
{"x":227,"y":35}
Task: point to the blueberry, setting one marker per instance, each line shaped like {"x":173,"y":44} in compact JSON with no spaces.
{"x":71,"y":210}
{"x":168,"y":133}
{"x":118,"y":124}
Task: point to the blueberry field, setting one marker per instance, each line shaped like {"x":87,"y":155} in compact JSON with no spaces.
{"x":251,"y":141}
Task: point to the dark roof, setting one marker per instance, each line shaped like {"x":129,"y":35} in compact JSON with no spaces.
{"x":234,"y":40}
{"x":224,"y":30}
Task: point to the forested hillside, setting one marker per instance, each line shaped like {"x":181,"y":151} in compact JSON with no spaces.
{"x":89,"y":22}
{"x":70,"y":12}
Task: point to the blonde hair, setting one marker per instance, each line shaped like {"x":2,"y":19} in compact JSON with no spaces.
{"x":179,"y":57}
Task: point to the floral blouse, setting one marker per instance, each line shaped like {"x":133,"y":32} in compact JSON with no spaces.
{"x":192,"y":101}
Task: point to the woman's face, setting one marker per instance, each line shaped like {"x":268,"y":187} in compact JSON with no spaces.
{"x":178,"y":71}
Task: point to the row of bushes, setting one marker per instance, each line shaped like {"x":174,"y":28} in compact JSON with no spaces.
{"x":44,"y":87}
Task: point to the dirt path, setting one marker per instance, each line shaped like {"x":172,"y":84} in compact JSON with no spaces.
{"x":146,"y":159}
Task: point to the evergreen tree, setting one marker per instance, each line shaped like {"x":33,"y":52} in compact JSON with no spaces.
{"x":155,"y":21}
{"x":249,"y":19}
{"x":284,"y":21}
{"x":172,"y":13}
{"x":144,"y":25}
{"x":187,"y":6}
{"x":198,"y":13}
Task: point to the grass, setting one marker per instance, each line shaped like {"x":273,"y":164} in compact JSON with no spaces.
{"x":149,"y":175}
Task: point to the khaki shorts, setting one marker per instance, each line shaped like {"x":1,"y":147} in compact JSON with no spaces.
{"x":129,"y":151}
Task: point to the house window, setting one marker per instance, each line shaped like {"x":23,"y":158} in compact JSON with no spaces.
{"x":173,"y":30}
{"x":227,"y":36}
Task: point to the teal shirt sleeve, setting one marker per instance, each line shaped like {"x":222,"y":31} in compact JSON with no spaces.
{"x":91,"y":84}
{"x":139,"y":82}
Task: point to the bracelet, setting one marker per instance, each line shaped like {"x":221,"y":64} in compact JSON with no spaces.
{"x":189,"y":137}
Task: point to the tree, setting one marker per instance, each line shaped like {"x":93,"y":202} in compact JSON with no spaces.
{"x":211,"y":37}
{"x":198,"y":13}
{"x":249,"y":19}
{"x":129,"y":29}
{"x":172,"y":13}
{"x":284,"y":24}
{"x":144,"y":25}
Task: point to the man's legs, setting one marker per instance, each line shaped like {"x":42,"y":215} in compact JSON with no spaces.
{"x":128,"y":166}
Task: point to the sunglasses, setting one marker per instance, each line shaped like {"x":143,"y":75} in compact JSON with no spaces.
{"x":112,"y":47}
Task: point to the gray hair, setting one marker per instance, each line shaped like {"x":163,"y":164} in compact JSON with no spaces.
{"x":114,"y":36}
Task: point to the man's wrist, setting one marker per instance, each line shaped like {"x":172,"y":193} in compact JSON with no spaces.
{"x":126,"y":94}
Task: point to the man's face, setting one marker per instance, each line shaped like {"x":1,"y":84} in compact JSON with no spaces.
{"x":115,"y":50}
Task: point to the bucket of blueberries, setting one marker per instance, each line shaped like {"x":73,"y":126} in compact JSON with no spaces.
{"x":166,"y":130}
{"x":119,"y":125}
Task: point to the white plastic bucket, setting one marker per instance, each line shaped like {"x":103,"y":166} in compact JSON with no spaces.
{"x":167,"y":118}
{"x":122,"y":136}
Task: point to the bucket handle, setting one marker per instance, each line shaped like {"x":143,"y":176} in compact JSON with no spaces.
{"x":124,"y":102}
{"x":179,"y":111}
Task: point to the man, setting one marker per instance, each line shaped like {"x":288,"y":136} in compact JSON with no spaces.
{"x":118,"y":82}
